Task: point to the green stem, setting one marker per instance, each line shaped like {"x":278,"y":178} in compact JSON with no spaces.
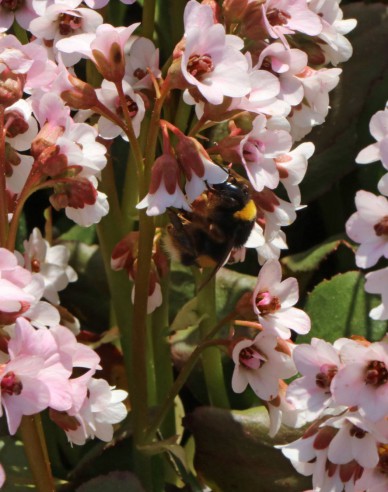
{"x":148,"y":20}
{"x":182,"y":115}
{"x":110,"y":232}
{"x":138,"y":381}
{"x":185,"y":372}
{"x":211,"y":360}
{"x":162,"y":356}
{"x":36,"y":451}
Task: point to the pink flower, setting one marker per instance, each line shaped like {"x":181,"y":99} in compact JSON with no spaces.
{"x":105,"y":48}
{"x":286,"y":63}
{"x":212,"y":61}
{"x":378,"y":151}
{"x":318,"y":364}
{"x":363,"y":380}
{"x":51,"y":262}
{"x":164,"y":190}
{"x":369,"y":227}
{"x":261,"y":363}
{"x":59,"y":22}
{"x":377,"y":283}
{"x":109,"y":97}
{"x":140,"y":58}
{"x":101,"y":408}
{"x":259,"y":148}
{"x":21,"y":126}
{"x":22,"y":12}
{"x":273,"y":301}
{"x":283,"y":17}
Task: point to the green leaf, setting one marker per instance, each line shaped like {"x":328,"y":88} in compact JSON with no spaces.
{"x":234,"y":452}
{"x":309,"y":260}
{"x":86,"y":235}
{"x":339,"y":307}
{"x":187,"y":317}
{"x":117,"y":481}
{"x":14,"y":461}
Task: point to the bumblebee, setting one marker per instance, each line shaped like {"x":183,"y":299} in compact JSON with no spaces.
{"x":221,"y":219}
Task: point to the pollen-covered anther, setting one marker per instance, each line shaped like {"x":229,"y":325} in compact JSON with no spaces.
{"x":381,"y":228}
{"x":11,"y":384}
{"x":266,"y":303}
{"x":376,"y":373}
{"x":198,"y":65}
{"x":324,"y":377}
{"x":35,"y":265}
{"x":251,"y":358}
{"x":69,"y":23}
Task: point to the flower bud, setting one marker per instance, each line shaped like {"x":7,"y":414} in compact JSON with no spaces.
{"x":81,"y":96}
{"x":234,"y":9}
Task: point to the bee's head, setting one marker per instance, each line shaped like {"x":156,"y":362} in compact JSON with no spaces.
{"x":235,"y":190}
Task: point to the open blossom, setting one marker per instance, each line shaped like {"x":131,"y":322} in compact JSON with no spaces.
{"x":51,"y":262}
{"x":212,"y":61}
{"x":141,"y":58}
{"x":282,"y":17}
{"x":59,"y":21}
{"x":261,"y":363}
{"x":101,"y":408}
{"x":377,"y":283}
{"x":105,"y":48}
{"x":258,"y":150}
{"x":369,"y":227}
{"x":273,"y":301}
{"x":164,"y":190}
{"x":363,"y":379}
{"x":318,"y":363}
{"x":109,"y":97}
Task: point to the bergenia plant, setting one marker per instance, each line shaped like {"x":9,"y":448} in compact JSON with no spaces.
{"x":146,"y":148}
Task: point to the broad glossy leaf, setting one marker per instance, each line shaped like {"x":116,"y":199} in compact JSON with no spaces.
{"x":234,"y":452}
{"x":339,"y":307}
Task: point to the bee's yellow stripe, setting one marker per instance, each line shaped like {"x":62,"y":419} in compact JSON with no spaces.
{"x":248,"y":213}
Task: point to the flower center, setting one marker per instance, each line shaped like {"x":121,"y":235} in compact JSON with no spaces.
{"x":376,"y":373}
{"x":266,"y":303}
{"x":277,"y":17}
{"x":35,"y":265}
{"x":11,"y":384}
{"x":131,"y":105}
{"x":251,"y":358}
{"x":357,"y":432}
{"x":68,"y":23}
{"x":199,"y":65}
{"x":12,"y":4}
{"x":139,"y":73}
{"x":381,"y":228}
{"x":324,"y":377}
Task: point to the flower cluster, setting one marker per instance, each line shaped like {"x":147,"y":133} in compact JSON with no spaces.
{"x":369,"y":225}
{"x":272,"y":96}
{"x":266,"y":360}
{"x":40,"y":355}
{"x":344,"y":388}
